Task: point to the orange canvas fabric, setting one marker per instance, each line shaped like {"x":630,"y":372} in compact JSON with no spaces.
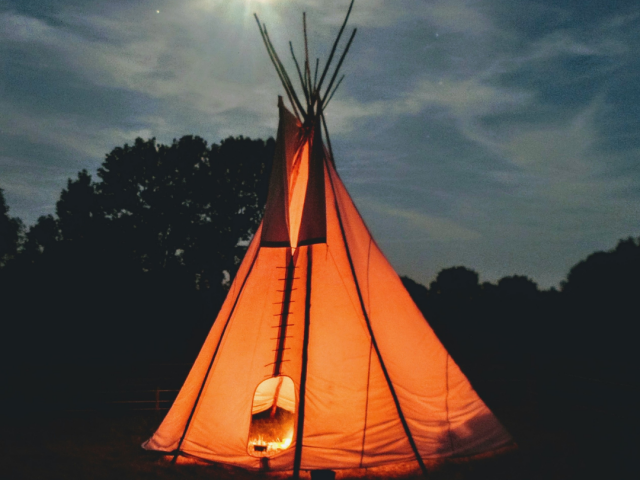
{"x":351,"y":419}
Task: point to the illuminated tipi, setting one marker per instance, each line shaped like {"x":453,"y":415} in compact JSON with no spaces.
{"x":319,"y":359}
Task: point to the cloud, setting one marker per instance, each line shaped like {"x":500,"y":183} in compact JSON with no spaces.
{"x":163,"y":57}
{"x":464,"y":98}
{"x":20,"y":28}
{"x":567,"y":42}
{"x":155,"y":59}
{"x":459,"y":16}
{"x":72,"y":133}
{"x":371,"y":14}
{"x":558,"y":159}
{"x":556,"y":147}
{"x":435,"y":228}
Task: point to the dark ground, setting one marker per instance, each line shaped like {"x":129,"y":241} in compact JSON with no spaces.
{"x":567,"y":428}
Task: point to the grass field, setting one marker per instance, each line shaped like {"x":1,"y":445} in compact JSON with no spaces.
{"x":554,"y":443}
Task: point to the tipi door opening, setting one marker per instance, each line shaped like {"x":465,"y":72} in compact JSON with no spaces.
{"x":272,"y":417}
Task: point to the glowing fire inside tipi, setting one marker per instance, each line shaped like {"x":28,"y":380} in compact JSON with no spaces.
{"x":272,"y":419}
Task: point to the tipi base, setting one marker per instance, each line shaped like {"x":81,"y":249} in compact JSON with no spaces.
{"x":393,"y":470}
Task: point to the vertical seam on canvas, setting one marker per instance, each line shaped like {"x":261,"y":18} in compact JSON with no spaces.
{"x":366,"y":406}
{"x":297,"y":457}
{"x":396,"y":400}
{"x":368,"y":279}
{"x":446,"y":369}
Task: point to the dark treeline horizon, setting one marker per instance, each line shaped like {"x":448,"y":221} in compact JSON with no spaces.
{"x":133,"y":268}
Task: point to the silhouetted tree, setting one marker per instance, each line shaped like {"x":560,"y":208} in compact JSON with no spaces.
{"x":43,"y":236}
{"x":452,"y":310}
{"x":134,"y":264}
{"x":518,"y":288}
{"x":11,"y":229}
{"x":75,"y":208}
{"x":184,"y":204}
{"x":601,"y":308}
{"x":456,"y":282}
{"x":513,"y":320}
{"x":606,"y":275}
{"x":482,"y":324}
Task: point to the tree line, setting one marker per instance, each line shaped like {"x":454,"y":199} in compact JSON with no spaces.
{"x":134,"y":266}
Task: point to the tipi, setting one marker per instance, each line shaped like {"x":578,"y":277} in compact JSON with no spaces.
{"x":318,"y":358}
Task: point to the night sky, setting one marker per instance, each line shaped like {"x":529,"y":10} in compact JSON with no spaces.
{"x":503,"y":136}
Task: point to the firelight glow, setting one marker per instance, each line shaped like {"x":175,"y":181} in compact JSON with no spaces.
{"x":270,"y":447}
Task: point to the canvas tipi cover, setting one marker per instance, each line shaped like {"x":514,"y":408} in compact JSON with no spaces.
{"x":318,"y":328}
